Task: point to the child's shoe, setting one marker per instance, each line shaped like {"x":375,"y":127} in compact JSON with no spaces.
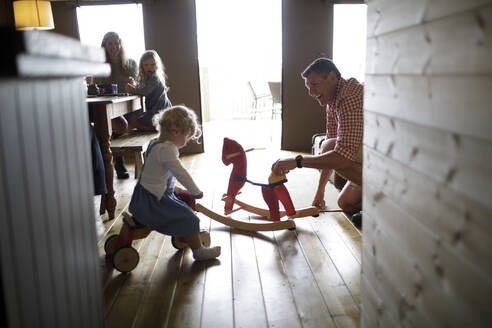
{"x":206,"y":253}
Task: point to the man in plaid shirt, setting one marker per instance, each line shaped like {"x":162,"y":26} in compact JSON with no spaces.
{"x":342,"y":148}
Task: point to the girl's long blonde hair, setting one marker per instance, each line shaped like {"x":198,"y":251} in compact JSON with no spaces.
{"x":123,"y":57}
{"x":160,"y":68}
{"x":180,"y":118}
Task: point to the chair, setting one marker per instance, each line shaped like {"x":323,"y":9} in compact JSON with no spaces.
{"x":276,"y":99}
{"x":258,"y":99}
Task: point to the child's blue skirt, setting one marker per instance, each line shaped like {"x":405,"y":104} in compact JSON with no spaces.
{"x":169,"y":215}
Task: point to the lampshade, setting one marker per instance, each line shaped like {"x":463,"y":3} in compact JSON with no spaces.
{"x":33,"y":15}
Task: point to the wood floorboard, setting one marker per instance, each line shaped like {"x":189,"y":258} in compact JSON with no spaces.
{"x":125,"y":308}
{"x":246,"y":282}
{"x":335,"y":294}
{"x":157,"y":303}
{"x":309,"y":277}
{"x":280,"y":306}
{"x":310,"y":305}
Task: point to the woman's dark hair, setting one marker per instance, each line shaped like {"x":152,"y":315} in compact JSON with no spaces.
{"x":323,"y":67}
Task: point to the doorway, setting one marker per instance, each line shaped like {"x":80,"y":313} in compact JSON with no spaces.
{"x":126,"y":20}
{"x":239,"y":53}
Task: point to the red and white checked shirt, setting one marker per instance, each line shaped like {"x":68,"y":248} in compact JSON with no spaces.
{"x":345,"y":119}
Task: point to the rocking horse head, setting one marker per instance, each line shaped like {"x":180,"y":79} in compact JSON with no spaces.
{"x":232,"y":152}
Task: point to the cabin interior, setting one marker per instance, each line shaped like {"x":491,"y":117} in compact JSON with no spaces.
{"x":422,"y":258}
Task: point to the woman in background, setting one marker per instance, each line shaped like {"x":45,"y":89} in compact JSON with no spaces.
{"x":122,"y":70}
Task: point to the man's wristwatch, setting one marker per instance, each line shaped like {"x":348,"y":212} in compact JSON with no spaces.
{"x":299,"y":159}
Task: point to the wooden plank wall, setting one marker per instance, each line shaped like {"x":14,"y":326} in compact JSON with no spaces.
{"x":427,"y":239}
{"x":49,"y":263}
{"x":307,"y":28}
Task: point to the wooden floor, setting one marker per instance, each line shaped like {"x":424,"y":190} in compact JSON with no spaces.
{"x":309,"y":277}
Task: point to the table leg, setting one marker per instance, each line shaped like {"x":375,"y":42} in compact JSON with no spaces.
{"x":102,"y":126}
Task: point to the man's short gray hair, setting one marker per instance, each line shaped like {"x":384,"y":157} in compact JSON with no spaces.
{"x":321,"y":66}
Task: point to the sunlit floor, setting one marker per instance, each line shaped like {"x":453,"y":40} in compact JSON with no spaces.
{"x":262,"y":134}
{"x":309,"y":277}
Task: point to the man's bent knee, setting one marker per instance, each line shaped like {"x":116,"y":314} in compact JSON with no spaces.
{"x":350,"y":198}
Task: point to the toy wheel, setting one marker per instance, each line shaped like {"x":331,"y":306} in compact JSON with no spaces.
{"x":315,"y":216}
{"x":292,"y":229}
{"x":125,"y":259}
{"x":205,"y":238}
{"x":110,"y":244}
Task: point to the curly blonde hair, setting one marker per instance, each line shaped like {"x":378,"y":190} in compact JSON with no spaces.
{"x":179,"y":118}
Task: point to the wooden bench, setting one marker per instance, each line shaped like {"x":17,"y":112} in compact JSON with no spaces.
{"x":133,"y":143}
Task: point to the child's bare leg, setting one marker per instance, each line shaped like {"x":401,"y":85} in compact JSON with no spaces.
{"x":120,"y":125}
{"x":193,"y":241}
{"x":134,"y":124}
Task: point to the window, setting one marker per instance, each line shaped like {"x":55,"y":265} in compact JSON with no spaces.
{"x":240,"y":44}
{"x":349,"y":39}
{"x":126,"y":20}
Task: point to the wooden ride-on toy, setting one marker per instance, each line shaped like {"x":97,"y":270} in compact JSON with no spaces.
{"x":124,"y":257}
{"x":119,"y":248}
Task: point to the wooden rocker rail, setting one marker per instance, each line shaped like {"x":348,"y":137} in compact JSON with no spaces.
{"x":264,"y":213}
{"x":247,"y":226}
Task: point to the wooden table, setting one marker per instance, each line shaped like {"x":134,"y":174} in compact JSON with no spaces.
{"x":101,"y":110}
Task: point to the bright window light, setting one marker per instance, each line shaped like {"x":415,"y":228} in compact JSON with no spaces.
{"x":349,"y":40}
{"x":126,"y":20}
{"x":238,"y":41}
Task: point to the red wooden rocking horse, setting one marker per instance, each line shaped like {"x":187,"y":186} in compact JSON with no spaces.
{"x":273,"y":192}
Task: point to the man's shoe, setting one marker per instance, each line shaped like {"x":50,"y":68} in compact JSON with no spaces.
{"x":119,"y":166}
{"x":357,"y":220}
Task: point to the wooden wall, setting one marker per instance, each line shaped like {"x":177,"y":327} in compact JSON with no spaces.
{"x":49,"y":265}
{"x":306,"y":35}
{"x":65,"y":18}
{"x":427,"y":239}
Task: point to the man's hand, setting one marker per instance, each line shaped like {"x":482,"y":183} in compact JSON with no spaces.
{"x":283,"y":166}
{"x":319,"y":199}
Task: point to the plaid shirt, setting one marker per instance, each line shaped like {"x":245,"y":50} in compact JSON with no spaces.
{"x":345,"y":119}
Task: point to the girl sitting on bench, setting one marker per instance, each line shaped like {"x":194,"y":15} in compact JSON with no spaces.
{"x":154,"y":203}
{"x":151,"y":84}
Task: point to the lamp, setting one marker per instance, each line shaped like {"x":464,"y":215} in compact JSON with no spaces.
{"x":33,"y":15}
